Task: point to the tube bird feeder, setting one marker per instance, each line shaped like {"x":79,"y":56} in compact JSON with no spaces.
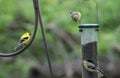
{"x":89,"y":47}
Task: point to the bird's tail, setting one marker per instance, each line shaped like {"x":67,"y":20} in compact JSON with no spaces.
{"x":100,"y":72}
{"x":18,"y":46}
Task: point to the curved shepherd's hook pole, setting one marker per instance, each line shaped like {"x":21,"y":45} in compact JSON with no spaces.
{"x":9,"y":54}
{"x":37,"y":16}
{"x":45,"y":44}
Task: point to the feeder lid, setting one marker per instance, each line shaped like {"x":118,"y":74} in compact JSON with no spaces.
{"x":89,"y":26}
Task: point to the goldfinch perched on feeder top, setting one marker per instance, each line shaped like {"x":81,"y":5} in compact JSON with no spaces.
{"x":24,"y":40}
{"x":92,"y":68}
{"x":76,"y":16}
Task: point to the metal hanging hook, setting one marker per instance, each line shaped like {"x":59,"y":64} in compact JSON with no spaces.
{"x":37,"y":17}
{"x":9,"y":54}
{"x":45,"y":43}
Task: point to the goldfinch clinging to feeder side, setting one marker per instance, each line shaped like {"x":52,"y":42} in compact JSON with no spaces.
{"x":24,"y":40}
{"x":92,"y":68}
{"x":76,"y":16}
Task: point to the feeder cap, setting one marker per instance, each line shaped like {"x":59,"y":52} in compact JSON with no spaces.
{"x":89,"y":26}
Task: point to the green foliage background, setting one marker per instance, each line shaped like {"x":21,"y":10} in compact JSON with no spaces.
{"x":17,"y":17}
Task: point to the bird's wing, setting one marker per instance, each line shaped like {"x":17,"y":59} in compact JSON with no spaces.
{"x":91,"y":66}
{"x":22,"y":40}
{"x":25,"y":38}
{"x":100,"y":70}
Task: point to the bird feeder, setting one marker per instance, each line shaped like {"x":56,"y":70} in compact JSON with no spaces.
{"x":89,"y":46}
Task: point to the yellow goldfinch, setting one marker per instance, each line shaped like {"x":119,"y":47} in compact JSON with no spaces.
{"x":24,"y":39}
{"x":76,"y":16}
{"x":92,"y":68}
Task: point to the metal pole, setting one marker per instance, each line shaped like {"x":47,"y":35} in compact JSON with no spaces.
{"x":89,"y":47}
{"x":45,"y":43}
